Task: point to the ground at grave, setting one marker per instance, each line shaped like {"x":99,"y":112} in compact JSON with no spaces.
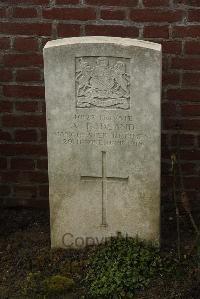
{"x":25,"y":253}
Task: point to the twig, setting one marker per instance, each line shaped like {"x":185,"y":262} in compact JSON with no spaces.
{"x":194,"y":244}
{"x":179,"y":162}
{"x":184,"y":198}
{"x":194,"y":224}
{"x":174,"y":162}
{"x":186,"y":205}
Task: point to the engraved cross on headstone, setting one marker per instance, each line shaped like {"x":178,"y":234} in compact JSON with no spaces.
{"x":104,"y":179}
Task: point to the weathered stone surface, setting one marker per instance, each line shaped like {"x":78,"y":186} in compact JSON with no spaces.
{"x":103,"y":119}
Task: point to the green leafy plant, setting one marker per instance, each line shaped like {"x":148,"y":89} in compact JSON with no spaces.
{"x":121,"y":267}
{"x":37,"y":286}
{"x":58,"y":284}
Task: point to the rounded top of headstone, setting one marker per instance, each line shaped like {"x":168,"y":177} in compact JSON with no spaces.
{"x":103,"y":40}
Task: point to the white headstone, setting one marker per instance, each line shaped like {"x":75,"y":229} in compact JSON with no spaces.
{"x":103,"y":121}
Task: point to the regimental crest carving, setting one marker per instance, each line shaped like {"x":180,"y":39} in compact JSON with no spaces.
{"x":102,"y":82}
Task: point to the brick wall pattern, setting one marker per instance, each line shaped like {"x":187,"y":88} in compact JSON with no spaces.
{"x":25,"y":27}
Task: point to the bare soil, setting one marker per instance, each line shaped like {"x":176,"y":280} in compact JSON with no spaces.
{"x":25,"y":248}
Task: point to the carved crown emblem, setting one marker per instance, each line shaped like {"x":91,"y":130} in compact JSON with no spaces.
{"x":102,"y":82}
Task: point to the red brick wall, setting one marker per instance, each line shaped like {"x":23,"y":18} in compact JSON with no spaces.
{"x":26,"y":25}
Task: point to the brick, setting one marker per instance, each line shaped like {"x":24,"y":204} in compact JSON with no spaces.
{"x":186,"y":31}
{"x":28,"y":75}
{"x":191,"y":182}
{"x":155,"y":3}
{"x":183,"y":124}
{"x":5,"y":75}
{"x":25,"y":191}
{"x":23,"y":60}
{"x":22,"y":12}
{"x":172,"y":47}
{"x":37,"y":176}
{"x":22,"y":164}
{"x":37,"y":29}
{"x":183,"y":140}
{"x":192,"y":47}
{"x":4,"y":43}
{"x":68,"y":30}
{"x":25,"y":203}
{"x":191,"y":79}
{"x":43,"y":134}
{"x":67,"y":1}
{"x":6,"y":106}
{"x":2,"y":12}
{"x":188,"y":2}
{"x":188,"y":168}
{"x":156,"y":31}
{"x":5,"y":136}
{"x":171,"y":78}
{"x":44,"y":190}
{"x":26,"y":106}
{"x":163,"y":139}
{"x":165,"y":62}
{"x":186,"y":63}
{"x":25,"y":44}
{"x":10,"y":177}
{"x":82,"y":14}
{"x":20,"y":91}
{"x":43,"y":107}
{"x":194,"y":15}
{"x":190,"y":124}
{"x":112,"y":30}
{"x":169,"y":109}
{"x":190,"y":110}
{"x":23,"y":149}
{"x":3,"y":163}
{"x":42,"y":164}
{"x":112,"y":15}
{"x":35,"y":121}
{"x":165,"y":168}
{"x":183,"y":94}
{"x":25,"y":135}
{"x":167,"y":181}
{"x":4,"y":190}
{"x":169,"y":124}
{"x":28,"y":2}
{"x":155,"y":15}
{"x":126,"y":3}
